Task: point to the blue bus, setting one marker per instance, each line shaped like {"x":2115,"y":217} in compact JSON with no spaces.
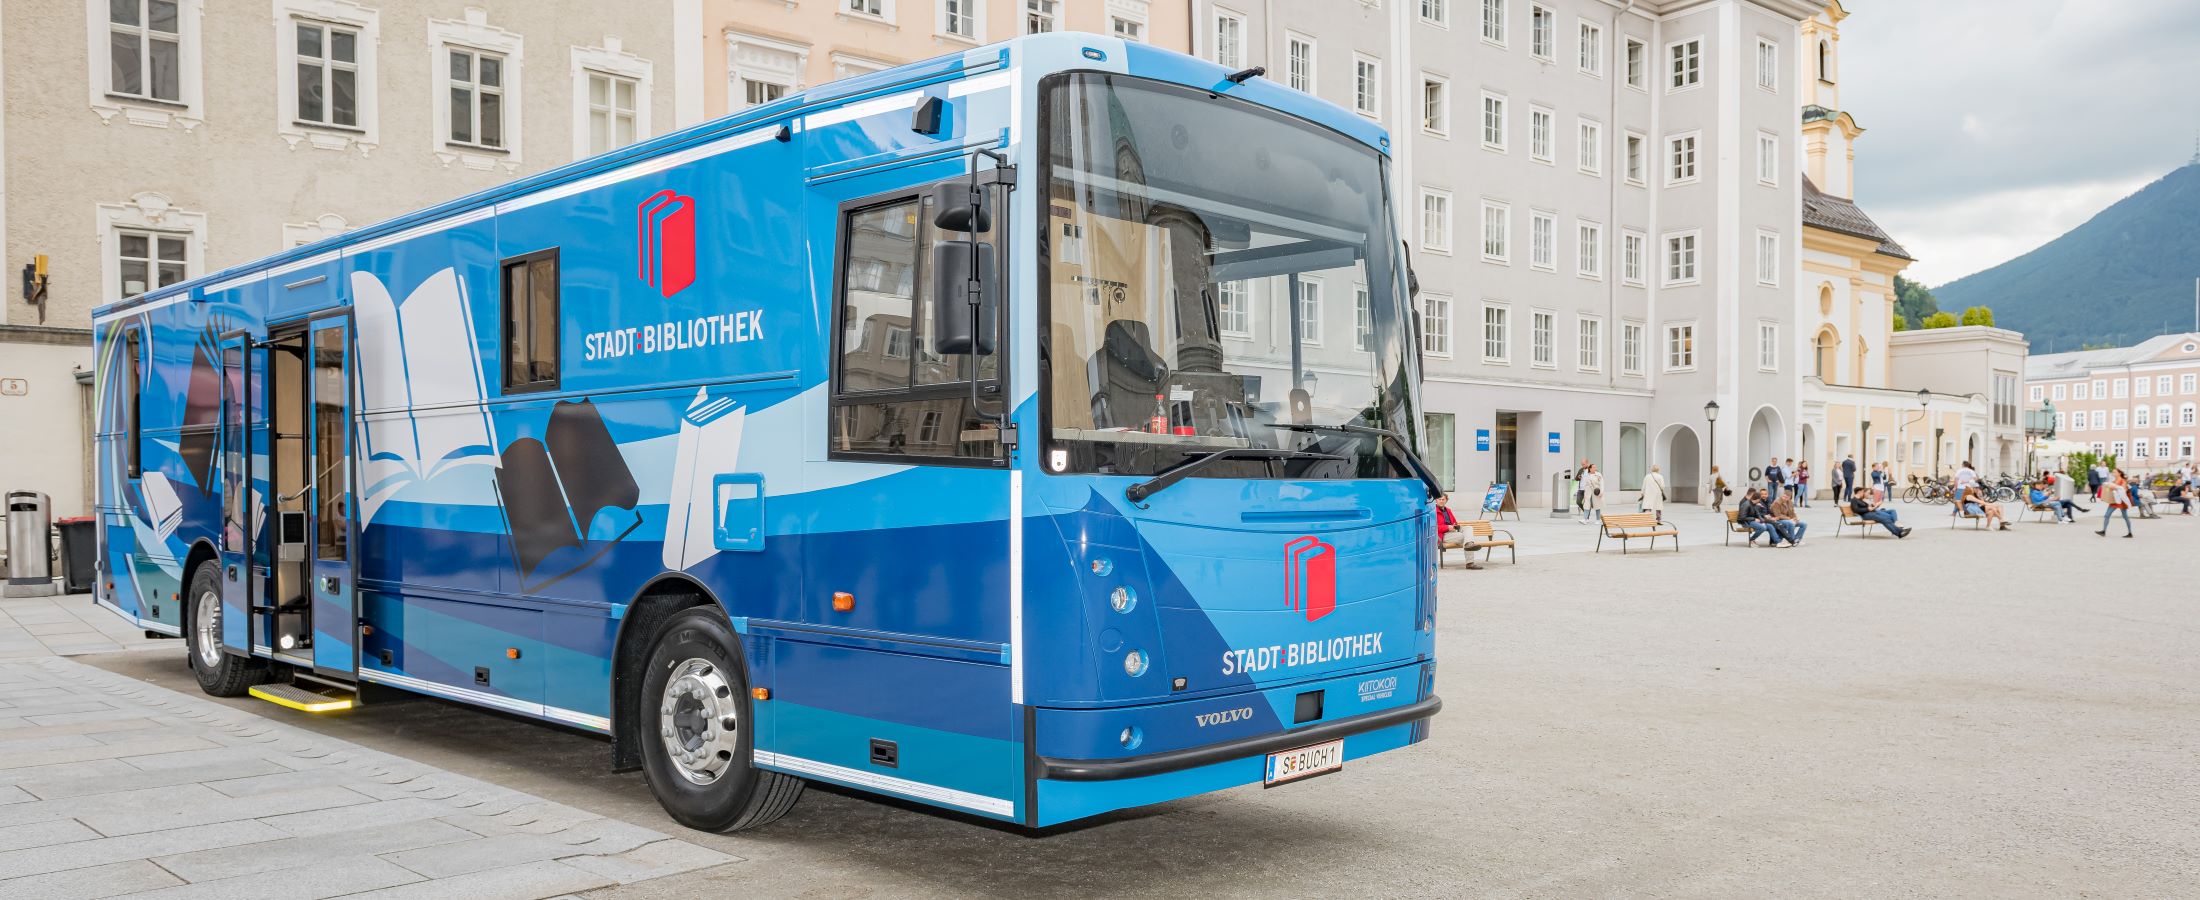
{"x":1026,"y":432}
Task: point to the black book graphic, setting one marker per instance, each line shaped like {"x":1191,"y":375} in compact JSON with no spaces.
{"x":202,"y":403}
{"x":553,"y":490}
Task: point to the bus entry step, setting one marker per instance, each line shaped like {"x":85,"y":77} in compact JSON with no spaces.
{"x":299,"y":698}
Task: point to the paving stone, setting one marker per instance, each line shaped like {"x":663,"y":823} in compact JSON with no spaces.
{"x":148,"y":747}
{"x":108,"y":880}
{"x":654,"y":860}
{"x":381,"y":813}
{"x":450,"y":860}
{"x":17,"y":727}
{"x":65,"y":770}
{"x":110,"y":805}
{"x":224,"y":809}
{"x":40,"y":860}
{"x":527,"y":881}
{"x":79,"y":718}
{"x":44,"y":834}
{"x":27,"y":744}
{"x":138,"y":779}
{"x":305,"y":852}
{"x":12,"y":794}
{"x":330,"y":877}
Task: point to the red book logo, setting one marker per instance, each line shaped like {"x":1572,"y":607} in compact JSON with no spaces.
{"x":665,"y":229}
{"x":1310,"y":577}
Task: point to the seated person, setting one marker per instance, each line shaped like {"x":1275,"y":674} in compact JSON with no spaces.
{"x":2043,"y":496}
{"x":1974,"y":503}
{"x":1866,"y":506}
{"x":1784,"y":518}
{"x":1757,"y":518}
{"x":1449,"y":534}
{"x":2179,"y":495}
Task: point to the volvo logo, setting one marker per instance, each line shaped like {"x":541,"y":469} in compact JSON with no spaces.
{"x":1224,"y":717}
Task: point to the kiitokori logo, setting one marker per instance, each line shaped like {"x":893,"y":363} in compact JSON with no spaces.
{"x":664,"y":230}
{"x":1310,"y":576}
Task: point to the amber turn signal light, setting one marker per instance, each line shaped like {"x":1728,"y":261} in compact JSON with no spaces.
{"x":511,"y":653}
{"x":761,"y":693}
{"x":843,"y":601}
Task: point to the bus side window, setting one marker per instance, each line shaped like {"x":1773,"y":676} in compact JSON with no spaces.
{"x":894,"y":395}
{"x":531,"y":322}
{"x":133,"y":356}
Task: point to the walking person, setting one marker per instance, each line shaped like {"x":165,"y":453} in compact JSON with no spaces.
{"x":1802,"y":484}
{"x":1848,"y":477}
{"x":1592,"y":493}
{"x":1775,"y":480}
{"x":1787,"y":476}
{"x":1718,"y":488}
{"x":1653,"y":493}
{"x":2119,"y":500}
{"x":2093,"y":481}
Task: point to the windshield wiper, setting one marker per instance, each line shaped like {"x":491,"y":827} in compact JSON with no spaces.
{"x":1137,"y":493}
{"x":1389,"y":437}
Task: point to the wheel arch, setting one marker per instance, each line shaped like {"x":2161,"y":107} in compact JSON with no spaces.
{"x":667,"y":594}
{"x":202,"y":552}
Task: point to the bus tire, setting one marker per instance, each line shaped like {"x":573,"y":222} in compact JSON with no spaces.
{"x":697,"y":743}
{"x":220,"y":674}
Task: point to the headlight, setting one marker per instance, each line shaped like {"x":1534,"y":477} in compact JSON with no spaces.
{"x":1134,"y":663}
{"x":1122,"y":599}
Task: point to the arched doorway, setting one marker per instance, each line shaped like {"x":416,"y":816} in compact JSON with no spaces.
{"x":1825,"y":358}
{"x":1767,"y":439}
{"x":1680,"y":459}
{"x":1806,"y":450}
{"x":1972,"y":451}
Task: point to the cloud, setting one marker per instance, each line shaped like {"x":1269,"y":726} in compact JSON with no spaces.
{"x":1993,"y":127}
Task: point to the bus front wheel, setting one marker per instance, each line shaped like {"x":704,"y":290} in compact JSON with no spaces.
{"x":220,"y":674}
{"x":697,"y":740}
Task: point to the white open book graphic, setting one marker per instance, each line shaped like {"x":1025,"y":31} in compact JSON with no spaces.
{"x":163,"y":509}
{"x":420,"y":384}
{"x":709,"y":443}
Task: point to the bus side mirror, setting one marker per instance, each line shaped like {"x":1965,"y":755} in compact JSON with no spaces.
{"x":961,"y":206}
{"x":963,"y":271}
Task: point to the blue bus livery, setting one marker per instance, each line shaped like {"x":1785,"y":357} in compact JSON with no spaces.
{"x":1024,"y":432}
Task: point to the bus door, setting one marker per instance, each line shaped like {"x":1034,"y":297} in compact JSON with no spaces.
{"x":240,"y":511}
{"x":334,"y":614}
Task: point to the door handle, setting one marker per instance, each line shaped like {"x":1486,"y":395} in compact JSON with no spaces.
{"x":330,"y":584}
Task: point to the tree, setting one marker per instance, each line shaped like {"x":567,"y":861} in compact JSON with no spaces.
{"x":1978,"y":315}
{"x":1900,"y":323}
{"x":1912,"y":301}
{"x":1943,"y":319}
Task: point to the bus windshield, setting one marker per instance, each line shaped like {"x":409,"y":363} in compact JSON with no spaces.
{"x":1218,"y":275}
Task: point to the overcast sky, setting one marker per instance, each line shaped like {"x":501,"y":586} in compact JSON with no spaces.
{"x":1992,"y":126}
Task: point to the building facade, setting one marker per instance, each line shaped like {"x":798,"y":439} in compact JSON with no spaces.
{"x":1920,"y":402}
{"x":756,"y":51}
{"x":148,"y":141}
{"x":2139,"y":403}
{"x":1602,"y":209}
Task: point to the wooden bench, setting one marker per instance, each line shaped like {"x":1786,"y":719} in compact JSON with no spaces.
{"x":1486,"y":536}
{"x":1625,"y":527}
{"x":1978,"y":521}
{"x":1848,"y":518}
{"x":2048,"y":511}
{"x":1734,"y":525}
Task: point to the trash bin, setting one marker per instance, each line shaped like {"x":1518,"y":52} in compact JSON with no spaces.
{"x":30,"y":544}
{"x":79,"y":552}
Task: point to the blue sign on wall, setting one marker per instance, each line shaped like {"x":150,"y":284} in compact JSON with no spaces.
{"x":1554,"y":442}
{"x":1481,"y":439}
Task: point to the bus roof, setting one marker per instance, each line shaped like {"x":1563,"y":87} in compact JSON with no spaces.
{"x":1138,"y":59}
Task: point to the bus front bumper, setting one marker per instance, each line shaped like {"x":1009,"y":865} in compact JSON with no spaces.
{"x":1196,"y":757}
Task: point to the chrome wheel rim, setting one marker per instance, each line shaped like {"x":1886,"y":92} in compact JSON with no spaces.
{"x":206,"y":621}
{"x":699,"y":721}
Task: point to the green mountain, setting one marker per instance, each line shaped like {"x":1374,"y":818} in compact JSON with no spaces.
{"x":2115,"y":280}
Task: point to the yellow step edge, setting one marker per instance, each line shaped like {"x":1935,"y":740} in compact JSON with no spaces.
{"x":300,"y":699}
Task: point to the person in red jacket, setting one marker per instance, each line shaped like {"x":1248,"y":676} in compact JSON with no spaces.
{"x":1449,"y":535}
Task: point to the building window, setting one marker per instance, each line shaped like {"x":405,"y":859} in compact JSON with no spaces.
{"x":1680,"y":258}
{"x":1493,"y":122}
{"x":1589,"y":255}
{"x":145,"y":49}
{"x":1299,"y":63}
{"x":1543,"y":241}
{"x":1497,"y":232}
{"x":2100,"y":389}
{"x":1442,"y":440}
{"x":1630,"y":348}
{"x":1680,"y":154}
{"x":1436,"y":325}
{"x":2077,"y":421}
{"x":2138,"y":417}
{"x":1768,"y":65}
{"x":611,"y":111}
{"x":1542,"y":33}
{"x":477,"y":98}
{"x":2099,"y":419}
{"x":150,"y":260}
{"x":1768,"y":347}
{"x":1825,"y":61}
{"x":2036,"y":394}
{"x":2185,"y":414}
{"x":1592,"y":49}
{"x":1630,"y":258}
{"x":2119,"y":388}
{"x":2141,"y":386}
{"x":1680,"y":347}
{"x":1493,"y":21}
{"x":761,"y":70}
{"x":958,"y":18}
{"x":1363,"y":319}
{"x":1435,"y":105}
{"x":1496,"y":334}
{"x":1540,"y":328}
{"x":2116,"y":448}
{"x":1539,"y":134}
{"x":2185,"y":384}
{"x":2161,"y":385}
{"x":1435,"y":221}
{"x":2058,"y":392}
{"x":1310,"y":310}
{"x":1366,"y":85}
{"x":1684,"y":64}
{"x":1043,"y":16}
{"x":2184,"y":448}
{"x":1436,"y":12}
{"x":873,"y":8}
{"x":1588,"y":344}
{"x":1229,"y":40}
{"x":531,"y":322}
{"x":1592,"y":148}
{"x":1127,"y":28}
{"x":1768,"y":159}
{"x":1638,"y":58}
{"x":2077,"y":391}
{"x":328,"y":74}
{"x":1768,"y":259}
{"x":1635,"y":154}
{"x":1234,"y":307}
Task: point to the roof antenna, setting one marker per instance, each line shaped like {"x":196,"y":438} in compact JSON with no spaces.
{"x":1242,"y":75}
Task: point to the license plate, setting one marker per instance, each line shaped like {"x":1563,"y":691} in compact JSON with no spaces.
{"x":1305,"y":762}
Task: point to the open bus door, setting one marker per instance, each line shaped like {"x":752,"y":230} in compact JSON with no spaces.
{"x":334,"y":615}
{"x":240,"y":513}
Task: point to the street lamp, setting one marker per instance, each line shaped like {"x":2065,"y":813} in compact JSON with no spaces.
{"x":1711,"y":452}
{"x":1924,"y":399}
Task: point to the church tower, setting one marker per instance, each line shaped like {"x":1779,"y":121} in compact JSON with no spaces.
{"x":1829,"y":134}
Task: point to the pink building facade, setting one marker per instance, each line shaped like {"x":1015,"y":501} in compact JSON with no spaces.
{"x":2140,"y":403}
